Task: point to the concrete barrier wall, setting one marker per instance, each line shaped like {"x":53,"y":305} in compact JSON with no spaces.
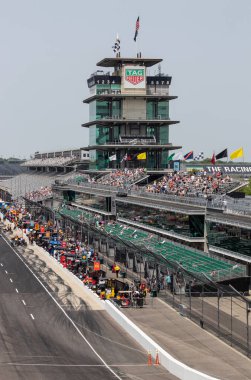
{"x":174,"y":366}
{"x":69,"y":278}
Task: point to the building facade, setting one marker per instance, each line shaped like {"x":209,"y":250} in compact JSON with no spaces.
{"x":129,"y":115}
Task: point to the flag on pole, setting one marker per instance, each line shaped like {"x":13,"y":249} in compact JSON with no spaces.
{"x":141,"y":156}
{"x":178,"y":156}
{"x":116,"y":46}
{"x":237,"y":154}
{"x":199,"y":156}
{"x":213,"y":160}
{"x":170,"y":157}
{"x":136,"y":29}
{"x":222,"y":154}
{"x":113,"y":157}
{"x":189,"y":156}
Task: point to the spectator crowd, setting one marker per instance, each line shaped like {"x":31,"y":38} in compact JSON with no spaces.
{"x":54,"y":161}
{"x":40,"y":194}
{"x":184,"y":184}
{"x":122,"y":177}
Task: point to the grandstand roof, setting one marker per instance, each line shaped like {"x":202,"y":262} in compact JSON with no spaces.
{"x":113,"y":122}
{"x":123,"y":96}
{"x":57,"y":150}
{"x":119,"y":61}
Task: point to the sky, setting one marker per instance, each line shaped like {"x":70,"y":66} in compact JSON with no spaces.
{"x":49,"y":48}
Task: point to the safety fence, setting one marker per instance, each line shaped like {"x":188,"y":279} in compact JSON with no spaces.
{"x":225,"y":312}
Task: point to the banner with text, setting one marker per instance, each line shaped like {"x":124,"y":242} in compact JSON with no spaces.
{"x":134,"y":77}
{"x":229,"y":169}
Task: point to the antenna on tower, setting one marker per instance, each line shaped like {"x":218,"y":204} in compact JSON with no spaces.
{"x":159,"y":70}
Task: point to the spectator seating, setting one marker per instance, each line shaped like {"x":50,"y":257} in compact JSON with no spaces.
{"x":26,"y":183}
{"x":191,"y":260}
{"x":123,"y":177}
{"x":39,"y":195}
{"x":185,"y":184}
{"x":78,"y":179}
{"x":76,"y":214}
{"x":51,"y":162}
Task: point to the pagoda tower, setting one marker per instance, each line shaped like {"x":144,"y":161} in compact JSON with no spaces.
{"x":129,"y":115}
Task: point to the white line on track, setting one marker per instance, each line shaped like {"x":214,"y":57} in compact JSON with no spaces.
{"x":11,"y":280}
{"x":24,"y":302}
{"x":32,"y":316}
{"x":17,"y":290}
{"x":6,"y":272}
{"x":64,"y":312}
{"x":1,"y":265}
{"x":75,"y":365}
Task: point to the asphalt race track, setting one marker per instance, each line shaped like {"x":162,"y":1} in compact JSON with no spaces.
{"x":42,"y":339}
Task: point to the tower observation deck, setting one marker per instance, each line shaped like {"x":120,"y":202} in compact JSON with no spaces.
{"x":129,"y":115}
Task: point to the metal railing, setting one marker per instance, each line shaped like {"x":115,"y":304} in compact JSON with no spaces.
{"x":172,"y":198}
{"x":217,"y":202}
{"x":121,"y":117}
{"x":220,"y":311}
{"x":227,"y":252}
{"x":169,"y":233}
{"x":133,"y":142}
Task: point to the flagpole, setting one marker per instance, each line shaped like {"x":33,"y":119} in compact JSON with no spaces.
{"x":243,"y":160}
{"x":138,"y":38}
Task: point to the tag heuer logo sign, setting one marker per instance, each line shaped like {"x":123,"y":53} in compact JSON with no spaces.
{"x":135,"y":76}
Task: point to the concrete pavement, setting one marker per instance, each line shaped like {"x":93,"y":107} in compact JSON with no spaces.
{"x":189,"y":343}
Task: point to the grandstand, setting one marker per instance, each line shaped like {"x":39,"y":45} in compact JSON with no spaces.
{"x":78,"y":154}
{"x":22,"y":184}
{"x":58,"y":161}
{"x":74,"y":214}
{"x":77,"y":178}
{"x":50,"y":162}
{"x":123,"y":177}
{"x":178,"y":184}
{"x":192,"y":261}
{"x":193,"y":184}
{"x":40,"y":195}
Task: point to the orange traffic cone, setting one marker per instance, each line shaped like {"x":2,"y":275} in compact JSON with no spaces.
{"x":157,"y":362}
{"x":149,"y":360}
